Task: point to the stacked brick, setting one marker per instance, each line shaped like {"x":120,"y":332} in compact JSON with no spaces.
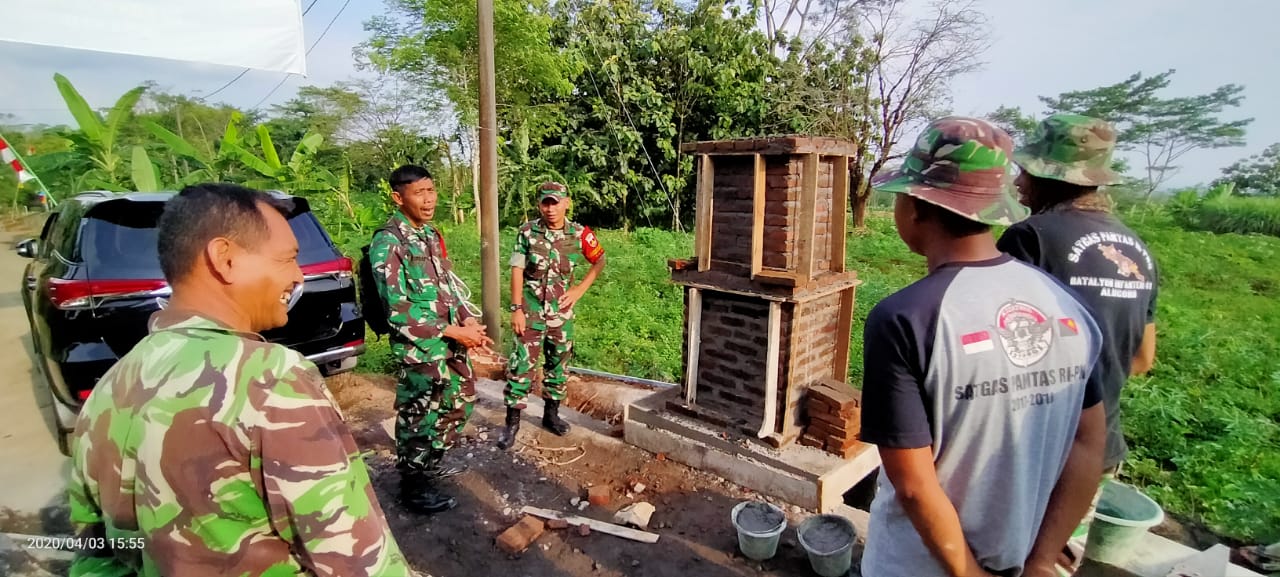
{"x":835,"y":412}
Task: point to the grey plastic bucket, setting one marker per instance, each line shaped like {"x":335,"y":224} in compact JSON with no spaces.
{"x":756,"y":544}
{"x":828,"y":539}
{"x":1123,"y":516}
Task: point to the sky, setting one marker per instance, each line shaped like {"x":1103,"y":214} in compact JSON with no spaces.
{"x":1038,"y":48}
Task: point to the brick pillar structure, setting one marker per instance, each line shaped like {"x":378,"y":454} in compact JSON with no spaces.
{"x":768,"y":302}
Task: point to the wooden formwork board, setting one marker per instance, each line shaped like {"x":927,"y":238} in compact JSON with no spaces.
{"x":807,"y":218}
{"x":702,"y":230}
{"x":693,"y":346}
{"x":844,"y":330}
{"x":839,"y":212}
{"x":757,"y":220}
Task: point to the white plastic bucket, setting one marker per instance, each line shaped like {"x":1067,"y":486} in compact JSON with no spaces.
{"x":1123,"y":516}
{"x":758,"y":544}
{"x":828,"y":559}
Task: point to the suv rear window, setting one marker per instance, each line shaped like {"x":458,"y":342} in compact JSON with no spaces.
{"x":119,"y":239}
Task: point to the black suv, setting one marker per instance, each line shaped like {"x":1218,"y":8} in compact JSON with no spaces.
{"x":95,"y":280}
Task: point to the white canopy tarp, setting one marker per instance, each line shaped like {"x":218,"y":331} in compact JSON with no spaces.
{"x":261,"y":34}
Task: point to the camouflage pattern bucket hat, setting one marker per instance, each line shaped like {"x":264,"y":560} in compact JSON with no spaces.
{"x":960,"y":164}
{"x":552,"y":190}
{"x":1071,"y":148}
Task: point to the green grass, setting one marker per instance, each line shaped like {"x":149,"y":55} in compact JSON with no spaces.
{"x":1237,"y":214}
{"x":1204,"y":425}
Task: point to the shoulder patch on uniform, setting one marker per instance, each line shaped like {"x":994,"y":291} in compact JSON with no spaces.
{"x":591,"y":245}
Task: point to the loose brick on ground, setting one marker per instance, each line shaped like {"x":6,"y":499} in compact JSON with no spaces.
{"x":518,"y":537}
{"x":599,"y":495}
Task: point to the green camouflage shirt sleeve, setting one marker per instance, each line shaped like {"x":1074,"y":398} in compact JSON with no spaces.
{"x":318,"y":493}
{"x":86,"y":518}
{"x":416,"y":321}
{"x":520,"y":254}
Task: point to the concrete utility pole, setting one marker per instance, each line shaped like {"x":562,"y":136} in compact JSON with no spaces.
{"x":490,"y":275}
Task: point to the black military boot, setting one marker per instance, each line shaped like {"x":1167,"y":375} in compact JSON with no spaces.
{"x":508,"y":437}
{"x":419,"y":494}
{"x":438,"y":470}
{"x":551,"y":420}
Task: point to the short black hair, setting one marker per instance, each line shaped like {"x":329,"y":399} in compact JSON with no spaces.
{"x":1050,"y":192}
{"x":202,"y":212}
{"x":406,"y":175}
{"x":953,"y":223}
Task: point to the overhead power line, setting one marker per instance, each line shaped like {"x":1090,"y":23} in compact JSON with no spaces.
{"x":246,"y":70}
{"x":313,"y":47}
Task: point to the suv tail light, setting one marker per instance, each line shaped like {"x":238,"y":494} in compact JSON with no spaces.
{"x":78,"y":294}
{"x":340,"y":268}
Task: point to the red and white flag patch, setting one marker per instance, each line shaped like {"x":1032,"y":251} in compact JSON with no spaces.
{"x":1068,"y":327}
{"x":978,"y":342}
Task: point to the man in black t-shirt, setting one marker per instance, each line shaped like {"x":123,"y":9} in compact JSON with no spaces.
{"x":1073,"y":236}
{"x":979,"y":388}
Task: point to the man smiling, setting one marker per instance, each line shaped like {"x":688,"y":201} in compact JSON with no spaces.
{"x":207,"y":450}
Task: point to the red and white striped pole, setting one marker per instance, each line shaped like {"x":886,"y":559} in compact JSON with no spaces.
{"x":10,"y":156}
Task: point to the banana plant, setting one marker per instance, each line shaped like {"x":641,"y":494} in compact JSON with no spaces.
{"x":299,"y":176}
{"x":96,"y":139}
{"x":212,"y":166}
{"x":145,"y":176}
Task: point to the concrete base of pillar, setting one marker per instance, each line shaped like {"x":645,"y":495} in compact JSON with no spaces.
{"x":803,"y":476}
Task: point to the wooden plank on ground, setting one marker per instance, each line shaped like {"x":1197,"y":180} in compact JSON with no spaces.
{"x":844,"y":330}
{"x":839,"y":212}
{"x":757,"y":220}
{"x":597,"y":526}
{"x":702,"y":236}
{"x":808,"y":215}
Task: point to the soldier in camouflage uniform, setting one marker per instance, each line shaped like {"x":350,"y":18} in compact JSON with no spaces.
{"x":542,"y":299}
{"x":207,"y":450}
{"x":432,"y":331}
{"x":1073,"y":236}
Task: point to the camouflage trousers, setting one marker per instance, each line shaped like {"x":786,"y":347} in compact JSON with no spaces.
{"x":433,"y":403}
{"x":554,"y":345}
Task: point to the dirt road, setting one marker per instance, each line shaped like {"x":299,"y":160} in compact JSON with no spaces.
{"x":33,"y":473}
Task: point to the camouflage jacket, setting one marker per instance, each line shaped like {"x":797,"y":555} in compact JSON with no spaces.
{"x":548,"y":257}
{"x":221,"y":454}
{"x":415,"y":282}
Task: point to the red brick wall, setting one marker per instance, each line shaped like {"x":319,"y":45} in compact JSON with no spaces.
{"x":733,"y":211}
{"x":731,"y":360}
{"x":812,"y":358}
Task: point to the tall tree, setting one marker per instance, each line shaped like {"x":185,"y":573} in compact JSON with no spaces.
{"x":1256,"y":175}
{"x":915,"y":62}
{"x":1159,"y":130}
{"x":1012,"y":120}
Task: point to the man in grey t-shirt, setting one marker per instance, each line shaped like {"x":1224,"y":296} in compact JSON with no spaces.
{"x":979,"y":386}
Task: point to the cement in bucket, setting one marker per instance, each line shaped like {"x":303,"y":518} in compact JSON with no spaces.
{"x":759,"y":526}
{"x":1123,"y":516}
{"x":828,"y":539}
